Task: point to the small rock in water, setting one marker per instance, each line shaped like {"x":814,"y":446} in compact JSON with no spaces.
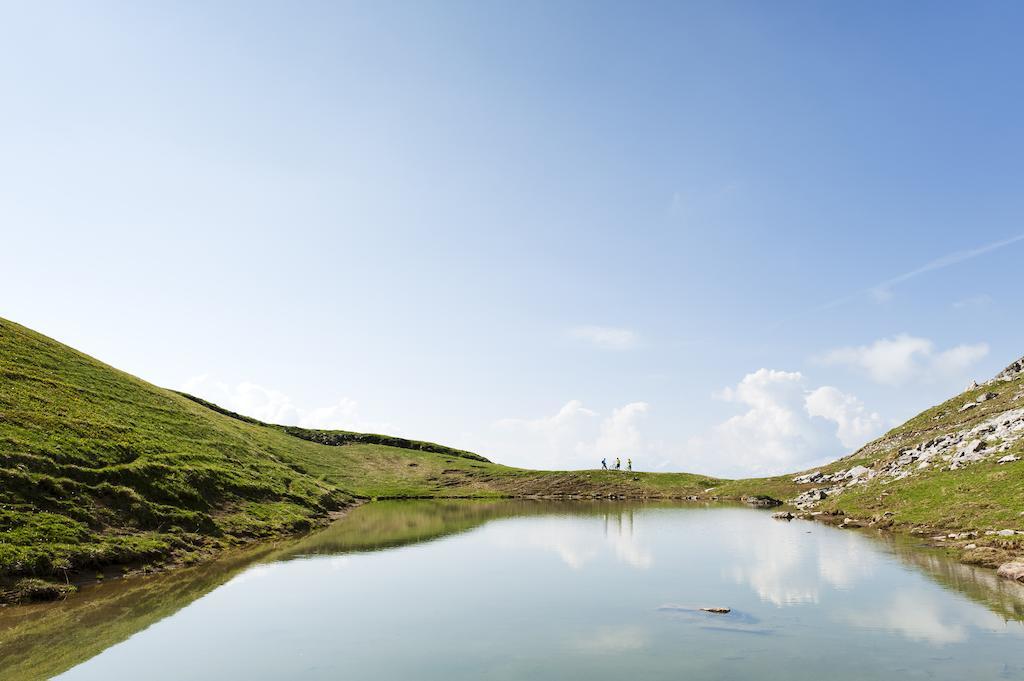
{"x":783,"y":515}
{"x":1014,"y":571}
{"x":718,"y":611}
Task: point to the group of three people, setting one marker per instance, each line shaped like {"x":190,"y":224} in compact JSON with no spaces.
{"x":618,"y":464}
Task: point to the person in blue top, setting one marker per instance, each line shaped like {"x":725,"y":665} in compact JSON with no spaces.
{"x":604,"y":464}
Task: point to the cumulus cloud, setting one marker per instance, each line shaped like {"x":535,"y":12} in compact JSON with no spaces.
{"x":786,"y":426}
{"x":905,"y":358}
{"x":605,"y":337}
{"x":574,"y":437}
{"x":273,"y":406}
{"x":855,"y":425}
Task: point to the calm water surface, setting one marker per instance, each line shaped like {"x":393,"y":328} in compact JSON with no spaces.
{"x":535,"y":590}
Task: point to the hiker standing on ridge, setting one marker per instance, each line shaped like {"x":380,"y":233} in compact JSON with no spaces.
{"x":629,"y":464}
{"x":604,"y":464}
{"x":618,"y":463}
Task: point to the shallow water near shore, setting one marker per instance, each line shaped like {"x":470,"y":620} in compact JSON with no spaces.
{"x":540,"y":590}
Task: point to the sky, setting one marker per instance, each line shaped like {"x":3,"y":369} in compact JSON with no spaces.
{"x":736,"y":238}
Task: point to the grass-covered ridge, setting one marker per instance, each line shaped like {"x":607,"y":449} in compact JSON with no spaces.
{"x":98,"y":467}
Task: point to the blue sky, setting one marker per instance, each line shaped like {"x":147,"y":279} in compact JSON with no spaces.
{"x":729,"y":237}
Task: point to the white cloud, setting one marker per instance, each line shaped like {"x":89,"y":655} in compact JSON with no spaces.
{"x":855,"y":425}
{"x":620,"y":432}
{"x":273,"y":406}
{"x":904,"y":358}
{"x":575,"y":437}
{"x":787,"y":426}
{"x":605,"y":337}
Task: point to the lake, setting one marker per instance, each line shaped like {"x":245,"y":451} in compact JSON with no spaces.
{"x":540,"y":590}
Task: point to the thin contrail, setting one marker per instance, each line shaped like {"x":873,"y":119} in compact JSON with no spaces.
{"x":881,"y":290}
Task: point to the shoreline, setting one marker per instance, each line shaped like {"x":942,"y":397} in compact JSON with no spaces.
{"x":962,"y":547}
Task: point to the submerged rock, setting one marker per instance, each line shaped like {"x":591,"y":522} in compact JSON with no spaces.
{"x":1014,"y":571}
{"x":724,"y":611}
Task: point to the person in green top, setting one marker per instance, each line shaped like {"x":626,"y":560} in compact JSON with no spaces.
{"x":618,"y":463}
{"x":629,"y":464}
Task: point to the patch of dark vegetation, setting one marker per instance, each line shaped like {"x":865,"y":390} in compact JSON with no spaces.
{"x":33,"y":589}
{"x":340,"y":438}
{"x":221,"y":410}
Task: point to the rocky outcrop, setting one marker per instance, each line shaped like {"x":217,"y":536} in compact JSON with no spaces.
{"x":987,"y":440}
{"x":1014,"y":370}
{"x":761,"y":500}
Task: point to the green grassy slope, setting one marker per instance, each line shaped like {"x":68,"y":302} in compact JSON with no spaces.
{"x":98,"y":467}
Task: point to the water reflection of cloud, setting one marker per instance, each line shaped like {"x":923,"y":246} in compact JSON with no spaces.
{"x":787,"y":566}
{"x":576,"y":542}
{"x":773,"y":563}
{"x":629,"y":551}
{"x":915,"y":618}
{"x":844,"y":561}
{"x":612,"y":640}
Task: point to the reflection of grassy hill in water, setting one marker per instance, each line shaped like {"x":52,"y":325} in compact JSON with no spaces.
{"x":981,"y":585}
{"x":388,"y":524}
{"x":38,"y":641}
{"x":42,"y":640}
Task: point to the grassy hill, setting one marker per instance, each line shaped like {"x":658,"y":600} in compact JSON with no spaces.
{"x":99,"y":468}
